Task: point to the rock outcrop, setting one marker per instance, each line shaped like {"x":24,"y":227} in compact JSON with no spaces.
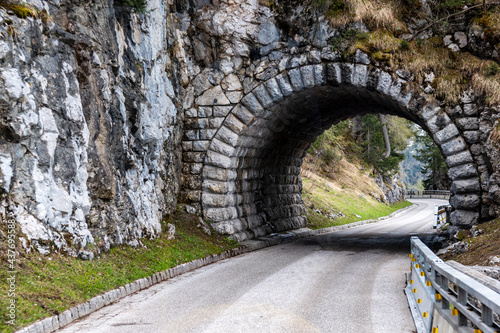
{"x":394,"y":191}
{"x":90,"y":130}
{"x":100,"y":106}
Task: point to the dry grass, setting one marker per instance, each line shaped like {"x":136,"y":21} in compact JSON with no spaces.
{"x":449,"y":87}
{"x":481,"y":248}
{"x":491,"y":22}
{"x":454,"y":72}
{"x":347,"y":176}
{"x":495,"y":134}
{"x":377,"y":41}
{"x":489,"y":86}
{"x":377,"y":14}
{"x":423,"y":58}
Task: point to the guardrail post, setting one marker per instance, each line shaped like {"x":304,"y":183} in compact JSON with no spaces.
{"x":436,"y":217}
{"x":462,"y":299}
{"x":445,"y":284}
{"x":434,"y":281}
{"x":487,"y":315}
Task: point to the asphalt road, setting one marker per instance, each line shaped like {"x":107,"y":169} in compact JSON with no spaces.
{"x":346,"y":281}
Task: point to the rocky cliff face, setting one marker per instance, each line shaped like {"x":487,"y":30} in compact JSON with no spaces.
{"x":93,"y":99}
{"x":89,"y":127}
{"x":394,"y":191}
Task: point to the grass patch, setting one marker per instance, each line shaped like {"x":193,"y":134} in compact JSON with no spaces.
{"x":48,"y":285}
{"x":377,"y":14}
{"x":331,"y":197}
{"x":455,"y":72}
{"x":482,"y":247}
{"x":25,"y":10}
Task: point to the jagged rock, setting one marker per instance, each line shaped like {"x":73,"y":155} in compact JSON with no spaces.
{"x":171,"y":231}
{"x":494,"y":261}
{"x":459,"y":248}
{"x":460,"y":38}
{"x":204,"y":226}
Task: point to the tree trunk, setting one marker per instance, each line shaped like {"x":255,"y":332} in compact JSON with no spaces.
{"x":356,"y":127}
{"x":381,"y":117}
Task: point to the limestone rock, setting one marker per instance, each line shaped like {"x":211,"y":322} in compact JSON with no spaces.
{"x":213,"y":96}
{"x":460,"y":38}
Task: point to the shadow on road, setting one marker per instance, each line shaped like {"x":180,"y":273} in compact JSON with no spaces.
{"x":359,"y":243}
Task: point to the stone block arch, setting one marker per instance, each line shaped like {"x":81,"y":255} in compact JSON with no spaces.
{"x":248,"y":183}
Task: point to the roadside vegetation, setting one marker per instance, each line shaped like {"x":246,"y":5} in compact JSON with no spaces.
{"x":339,"y":170}
{"x":49,"y":284}
{"x":483,"y":245}
{"x":329,"y":205}
{"x":419,"y":51}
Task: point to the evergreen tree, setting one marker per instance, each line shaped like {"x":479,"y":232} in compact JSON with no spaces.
{"x":374,"y":146}
{"x":434,"y":166}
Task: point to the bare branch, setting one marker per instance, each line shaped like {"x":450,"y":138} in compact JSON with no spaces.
{"x":484,"y":4}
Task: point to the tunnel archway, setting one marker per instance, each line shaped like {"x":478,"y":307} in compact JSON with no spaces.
{"x":250,"y":179}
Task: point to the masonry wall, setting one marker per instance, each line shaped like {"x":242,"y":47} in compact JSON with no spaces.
{"x":264,"y":84}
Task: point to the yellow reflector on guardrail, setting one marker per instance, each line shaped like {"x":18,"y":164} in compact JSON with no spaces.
{"x":414,"y":291}
{"x":419,"y":300}
{"x":411,"y":281}
{"x":422,"y":274}
{"x":417,"y":266}
{"x":439,"y":297}
{"x":454,"y":312}
{"x":425,"y":314}
{"x":478,"y":331}
{"x":434,"y":330}
{"x":428,"y":283}
{"x":411,"y":255}
{"x":413,"y":259}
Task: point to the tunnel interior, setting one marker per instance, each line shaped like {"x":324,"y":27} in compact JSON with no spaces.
{"x":256,"y":189}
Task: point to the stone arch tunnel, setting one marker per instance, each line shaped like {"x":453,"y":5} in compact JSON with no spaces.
{"x":243,"y":172}
{"x":109,"y":121}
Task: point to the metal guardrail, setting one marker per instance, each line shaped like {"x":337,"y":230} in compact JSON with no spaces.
{"x":428,"y":194}
{"x":441,"y":215}
{"x":447,"y":300}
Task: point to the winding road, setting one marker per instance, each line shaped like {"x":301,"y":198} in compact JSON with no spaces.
{"x":346,"y":281}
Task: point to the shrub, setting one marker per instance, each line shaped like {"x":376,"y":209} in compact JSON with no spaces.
{"x":138,"y":6}
{"x":21,"y":11}
{"x":492,"y":70}
{"x":404,"y":45}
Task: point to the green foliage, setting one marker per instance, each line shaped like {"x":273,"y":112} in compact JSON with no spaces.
{"x":331,"y":7}
{"x":370,"y":145}
{"x":48,"y":285}
{"x":404,"y":45}
{"x":400,"y":132}
{"x":454,"y":5}
{"x":434,"y":166}
{"x":320,"y":198}
{"x":492,"y":70}
{"x":25,"y":10}
{"x":328,"y":146}
{"x":138,"y":6}
{"x":347,"y":38}
{"x":373,"y":144}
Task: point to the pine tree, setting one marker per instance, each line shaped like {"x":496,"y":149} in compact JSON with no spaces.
{"x":434,"y":166}
{"x":375,"y":147}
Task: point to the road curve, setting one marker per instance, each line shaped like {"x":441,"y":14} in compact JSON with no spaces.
{"x":346,"y":281}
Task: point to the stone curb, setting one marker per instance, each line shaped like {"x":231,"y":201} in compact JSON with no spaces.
{"x":51,"y":324}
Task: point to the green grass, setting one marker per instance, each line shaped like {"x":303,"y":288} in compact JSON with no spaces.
{"x":48,"y":285}
{"x":348,"y":202}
